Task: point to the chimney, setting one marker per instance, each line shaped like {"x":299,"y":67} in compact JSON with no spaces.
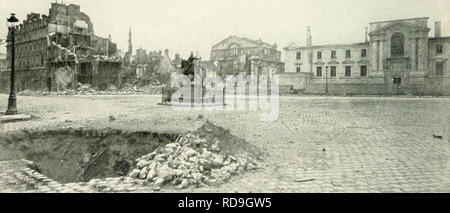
{"x":308,"y":36}
{"x":166,"y":52}
{"x":437,"y":29}
{"x":366,"y":35}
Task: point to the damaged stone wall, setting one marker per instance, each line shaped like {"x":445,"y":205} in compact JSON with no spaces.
{"x":4,"y":81}
{"x":106,"y":74}
{"x":64,"y":76}
{"x":32,"y":80}
{"x":48,"y":50}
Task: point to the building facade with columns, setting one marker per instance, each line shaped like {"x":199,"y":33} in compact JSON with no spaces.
{"x":397,"y":57}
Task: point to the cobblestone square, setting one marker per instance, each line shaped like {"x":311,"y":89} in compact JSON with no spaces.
{"x":318,"y":144}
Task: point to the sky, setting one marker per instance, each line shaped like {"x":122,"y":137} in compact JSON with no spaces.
{"x":183,"y":26}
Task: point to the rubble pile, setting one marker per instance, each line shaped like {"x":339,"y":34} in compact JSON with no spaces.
{"x":192,"y":161}
{"x":86,"y":89}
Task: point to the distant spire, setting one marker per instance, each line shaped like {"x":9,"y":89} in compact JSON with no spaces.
{"x":130,"y":44}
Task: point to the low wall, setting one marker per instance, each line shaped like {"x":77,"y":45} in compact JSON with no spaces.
{"x":292,"y":82}
{"x":346,"y":89}
{"x":437,"y":86}
{"x":33,"y":80}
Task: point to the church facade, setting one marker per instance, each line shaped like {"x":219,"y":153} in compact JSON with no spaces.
{"x":397,"y":57}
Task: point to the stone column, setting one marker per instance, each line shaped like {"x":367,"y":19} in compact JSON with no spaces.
{"x":381,"y":55}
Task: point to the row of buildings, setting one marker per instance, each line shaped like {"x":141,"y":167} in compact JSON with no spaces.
{"x":396,"y":57}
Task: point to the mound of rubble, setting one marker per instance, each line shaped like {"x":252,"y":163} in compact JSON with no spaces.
{"x":198,"y":160}
{"x":86,"y":89}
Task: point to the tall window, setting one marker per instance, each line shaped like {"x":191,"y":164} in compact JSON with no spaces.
{"x":439,"y":48}
{"x":348,"y":54}
{"x":234,"y":49}
{"x":363,"y":71}
{"x":319,"y":71}
{"x":333,"y":71}
{"x":363,"y":53}
{"x":297,"y":69}
{"x":298,"y":56}
{"x":333,"y":54}
{"x":439,"y":69}
{"x":397,"y":44}
{"x":319,"y":55}
{"x":348,"y":71}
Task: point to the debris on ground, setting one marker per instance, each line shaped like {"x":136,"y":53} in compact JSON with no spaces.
{"x":437,"y":136}
{"x":196,"y":160}
{"x":304,"y":180}
{"x":86,"y":89}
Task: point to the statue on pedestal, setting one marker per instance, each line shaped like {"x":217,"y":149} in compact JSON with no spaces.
{"x":188,"y":66}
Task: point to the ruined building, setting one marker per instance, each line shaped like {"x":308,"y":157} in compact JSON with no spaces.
{"x":235,"y":55}
{"x":144,"y":67}
{"x":60,"y":49}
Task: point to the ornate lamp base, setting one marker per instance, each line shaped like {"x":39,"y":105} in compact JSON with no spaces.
{"x":12,"y":106}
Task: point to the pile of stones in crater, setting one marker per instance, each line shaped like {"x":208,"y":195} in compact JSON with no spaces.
{"x":190,"y":161}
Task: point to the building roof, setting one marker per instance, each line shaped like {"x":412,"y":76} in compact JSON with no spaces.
{"x":256,"y":41}
{"x":393,"y":24}
{"x":405,"y":19}
{"x":328,"y":45}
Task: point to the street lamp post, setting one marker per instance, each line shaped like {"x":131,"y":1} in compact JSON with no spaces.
{"x":326,"y":79}
{"x":12,"y":105}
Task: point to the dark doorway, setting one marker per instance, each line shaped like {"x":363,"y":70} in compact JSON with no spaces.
{"x":397,"y":82}
{"x":85,"y":75}
{"x":49,"y":84}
